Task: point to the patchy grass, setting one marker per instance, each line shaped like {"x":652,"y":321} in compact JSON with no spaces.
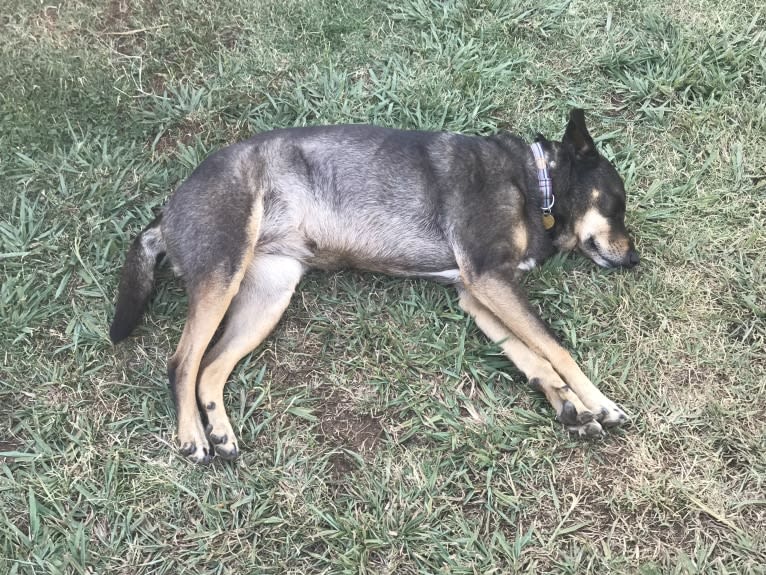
{"x":380,"y":432}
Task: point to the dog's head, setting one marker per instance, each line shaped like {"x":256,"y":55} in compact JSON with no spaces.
{"x":590,"y":201}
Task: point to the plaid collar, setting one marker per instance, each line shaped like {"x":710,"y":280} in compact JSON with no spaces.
{"x":543,"y":177}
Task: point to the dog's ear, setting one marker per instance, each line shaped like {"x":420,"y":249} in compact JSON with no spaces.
{"x":577,"y":137}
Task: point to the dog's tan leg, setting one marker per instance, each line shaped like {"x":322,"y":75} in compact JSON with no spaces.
{"x":539,"y":371}
{"x":264,"y":295}
{"x":211,"y":282}
{"x":208,"y":302}
{"x":506,"y":302}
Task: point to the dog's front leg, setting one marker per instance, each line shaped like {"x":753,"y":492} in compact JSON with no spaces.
{"x":542,"y":377}
{"x":503,"y":313}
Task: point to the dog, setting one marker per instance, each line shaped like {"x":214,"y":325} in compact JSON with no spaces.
{"x":474,"y":212}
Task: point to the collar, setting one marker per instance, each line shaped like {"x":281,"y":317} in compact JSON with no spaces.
{"x":543,"y":177}
{"x":545,"y":184}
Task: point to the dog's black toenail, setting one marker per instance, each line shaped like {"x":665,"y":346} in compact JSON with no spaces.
{"x":208,"y":429}
{"x":568,"y":415}
{"x":210,"y":406}
{"x":218,"y":439}
{"x":536,"y":384}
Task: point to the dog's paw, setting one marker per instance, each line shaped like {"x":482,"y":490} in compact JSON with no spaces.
{"x":201,"y":454}
{"x":222,"y":438}
{"x":194,"y":444}
{"x":610,"y":415}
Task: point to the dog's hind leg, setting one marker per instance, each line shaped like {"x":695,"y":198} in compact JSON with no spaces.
{"x":212,"y":259}
{"x":208,"y":302}
{"x":263,"y":296}
{"x":538,"y":371}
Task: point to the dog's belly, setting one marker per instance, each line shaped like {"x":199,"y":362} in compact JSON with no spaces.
{"x":404,"y":254}
{"x":442,"y":274}
{"x":395,"y":244}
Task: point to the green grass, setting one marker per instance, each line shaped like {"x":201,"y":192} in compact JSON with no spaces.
{"x":381,"y":433}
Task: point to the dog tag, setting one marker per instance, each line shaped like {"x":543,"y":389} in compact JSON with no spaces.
{"x":548,"y":221}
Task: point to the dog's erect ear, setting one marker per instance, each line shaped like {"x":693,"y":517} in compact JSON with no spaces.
{"x":578,"y":138}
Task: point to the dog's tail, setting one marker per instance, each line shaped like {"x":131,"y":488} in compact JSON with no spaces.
{"x":136,"y":280}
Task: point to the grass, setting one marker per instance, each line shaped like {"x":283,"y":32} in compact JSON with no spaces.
{"x":381,"y":432}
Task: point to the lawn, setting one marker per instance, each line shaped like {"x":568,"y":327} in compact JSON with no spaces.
{"x":381,"y":432}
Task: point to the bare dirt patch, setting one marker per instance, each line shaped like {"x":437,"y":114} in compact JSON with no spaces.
{"x":48,"y":18}
{"x":117,"y":25}
{"x":117,"y":15}
{"x":9,"y":445}
{"x":51,"y":25}
{"x":158,"y":84}
{"x":182,"y":134}
{"x":342,"y":426}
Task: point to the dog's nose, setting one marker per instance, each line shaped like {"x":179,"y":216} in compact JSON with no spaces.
{"x":633,"y":259}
